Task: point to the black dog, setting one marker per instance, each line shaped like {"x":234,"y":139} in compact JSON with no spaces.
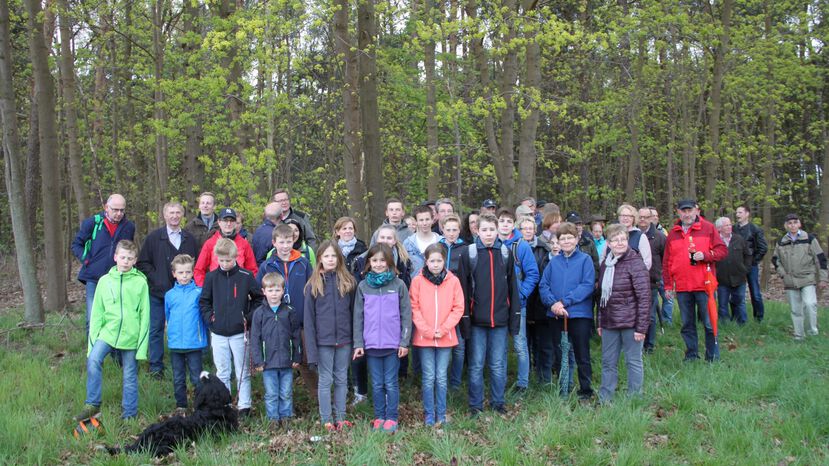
{"x":212,"y":412}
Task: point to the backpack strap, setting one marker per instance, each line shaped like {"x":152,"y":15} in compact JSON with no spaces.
{"x":96,"y":227}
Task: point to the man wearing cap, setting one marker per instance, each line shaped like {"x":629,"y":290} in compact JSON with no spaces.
{"x":489,"y":206}
{"x":693,"y":245}
{"x":586,"y":244}
{"x":227,"y":229}
{"x":158,"y":251}
{"x":800,"y":262}
{"x":756,"y":240}
{"x":206,"y":223}
{"x":281,"y":197}
{"x":262,"y":241}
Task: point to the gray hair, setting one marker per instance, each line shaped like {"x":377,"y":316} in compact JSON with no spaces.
{"x":718,"y":223}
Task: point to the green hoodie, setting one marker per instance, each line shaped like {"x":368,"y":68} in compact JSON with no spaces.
{"x":121,"y":312}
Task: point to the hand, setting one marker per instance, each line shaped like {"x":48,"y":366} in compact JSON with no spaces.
{"x":599,"y":331}
{"x":698,"y":256}
{"x":358,"y":353}
{"x":258,"y":369}
{"x":438,"y":334}
{"x":402,"y":351}
{"x":669,"y":294}
{"x":638,"y":336}
{"x":312,"y":366}
{"x":559,"y":310}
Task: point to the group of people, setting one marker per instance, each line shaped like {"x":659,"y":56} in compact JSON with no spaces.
{"x":450,"y":290}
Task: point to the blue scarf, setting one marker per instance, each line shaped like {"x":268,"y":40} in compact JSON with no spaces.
{"x":378,"y":280}
{"x":347,"y":246}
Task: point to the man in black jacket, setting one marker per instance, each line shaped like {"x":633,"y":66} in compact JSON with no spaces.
{"x":756,"y":241}
{"x":158,"y":251}
{"x":206,"y":223}
{"x":731,"y":273}
{"x":657,"y":242}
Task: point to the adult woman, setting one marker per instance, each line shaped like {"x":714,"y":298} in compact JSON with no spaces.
{"x":549,"y":225}
{"x":597,"y":230}
{"x":624,"y":312}
{"x":637,"y":240}
{"x":350,"y":245}
{"x":469,"y":229}
{"x":299,"y":240}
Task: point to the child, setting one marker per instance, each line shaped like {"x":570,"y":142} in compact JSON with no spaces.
{"x":492,"y":307}
{"x":274,"y":337}
{"x":453,"y":243}
{"x":417,"y":243}
{"x":382,"y":323}
{"x":295,"y":270}
{"x":228,"y":296}
{"x":120,"y":320}
{"x":186,"y":332}
{"x":437,"y":306}
{"x":329,"y":296}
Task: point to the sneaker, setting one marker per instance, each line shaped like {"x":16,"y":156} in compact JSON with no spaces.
{"x":390,"y":426}
{"x":377,"y":424}
{"x":329,"y":427}
{"x":343,"y":425}
{"x":87,"y":412}
{"x":358,"y":399}
{"x":180,"y":412}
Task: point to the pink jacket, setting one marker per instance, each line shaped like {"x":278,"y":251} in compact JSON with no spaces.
{"x":436,"y":308}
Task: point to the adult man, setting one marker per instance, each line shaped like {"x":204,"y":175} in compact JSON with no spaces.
{"x":158,"y":251}
{"x":443,"y":207}
{"x":394,"y":217}
{"x":655,"y":220}
{"x":692,"y":246}
{"x":263,"y":236}
{"x":657,"y":244}
{"x":800,"y":262}
{"x":205,"y":224}
{"x":489,"y":206}
{"x":756,"y":241}
{"x":731,"y":273}
{"x":281,"y":197}
{"x":94,"y":245}
{"x":585,"y":240}
{"x":536,"y":215}
{"x":227,"y":229}
{"x":667,"y":303}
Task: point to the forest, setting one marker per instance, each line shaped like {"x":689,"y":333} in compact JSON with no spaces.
{"x":585,"y":103}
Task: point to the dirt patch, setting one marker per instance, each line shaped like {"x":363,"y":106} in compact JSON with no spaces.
{"x":11,"y":293}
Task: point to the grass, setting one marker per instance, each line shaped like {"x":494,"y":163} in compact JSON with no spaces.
{"x":764,"y":403}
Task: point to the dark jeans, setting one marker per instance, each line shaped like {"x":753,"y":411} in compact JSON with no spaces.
{"x":693,"y":306}
{"x":185,"y":363}
{"x":580,"y":332}
{"x":757,"y":307}
{"x":540,"y":335}
{"x":155,"y":348}
{"x":735,"y":298}
{"x":650,"y":338}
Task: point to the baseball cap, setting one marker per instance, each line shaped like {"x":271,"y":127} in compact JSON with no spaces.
{"x":227,"y":212}
{"x":489,"y":204}
{"x":574,"y":217}
{"x":792,"y":217}
{"x":686,"y":204}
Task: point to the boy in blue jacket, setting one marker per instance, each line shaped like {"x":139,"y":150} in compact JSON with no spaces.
{"x":566,"y":289}
{"x":186,"y":331}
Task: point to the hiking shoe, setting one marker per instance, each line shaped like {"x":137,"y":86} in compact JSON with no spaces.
{"x":390,"y":426}
{"x":180,"y":412}
{"x":329,"y":427}
{"x":87,"y":412}
{"x":358,"y":399}
{"x":500,"y":409}
{"x":342,"y":425}
{"x":377,"y":424}
{"x":474,"y":412}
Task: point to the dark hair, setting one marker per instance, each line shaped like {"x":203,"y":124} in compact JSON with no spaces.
{"x":745,"y":206}
{"x":422,"y":209}
{"x":466,"y":234}
{"x":301,"y":239}
{"x":506,"y":213}
{"x":393,"y":200}
{"x":383,"y":249}
{"x":568,"y":228}
{"x":433,"y":248}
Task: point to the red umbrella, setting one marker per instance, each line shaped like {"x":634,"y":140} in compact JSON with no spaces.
{"x":711,"y":288}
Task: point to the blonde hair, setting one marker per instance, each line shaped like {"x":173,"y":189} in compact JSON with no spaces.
{"x":634,"y":211}
{"x":225,"y":247}
{"x":345,"y":281}
{"x":272,"y":279}
{"x":450,"y":218}
{"x":128,"y":246}
{"x":401,"y":251}
{"x":182,"y":259}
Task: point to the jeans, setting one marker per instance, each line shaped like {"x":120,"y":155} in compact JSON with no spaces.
{"x":90,"y":297}
{"x":435,"y":365}
{"x":279,"y":384}
{"x":156,"y":344}
{"x":232,"y":352}
{"x":521,"y":352}
{"x":650,"y":338}
{"x":488,"y":345}
{"x":94,"y":378}
{"x":667,"y":305}
{"x":333,"y":367}
{"x":614,"y":342}
{"x":803,"y":301}
{"x":541,"y":334}
{"x":458,"y":355}
{"x":693,"y":305}
{"x":385,"y":392}
{"x":184,"y":363}
{"x":734,"y":297}
{"x":757,"y":306}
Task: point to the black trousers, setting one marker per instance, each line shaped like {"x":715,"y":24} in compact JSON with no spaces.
{"x":579,"y":330}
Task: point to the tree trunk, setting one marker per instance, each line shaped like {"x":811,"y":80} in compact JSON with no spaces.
{"x":634,"y":166}
{"x":67,"y":67}
{"x":433,"y":157}
{"x":32,"y":188}
{"x":193,"y":133}
{"x":527,"y":155}
{"x":26,"y":263}
{"x":713,"y":161}
{"x":161,"y":164}
{"x":49,"y":160}
{"x":367,"y":66}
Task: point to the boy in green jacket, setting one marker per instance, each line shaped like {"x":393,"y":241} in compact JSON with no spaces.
{"x":120,"y":319}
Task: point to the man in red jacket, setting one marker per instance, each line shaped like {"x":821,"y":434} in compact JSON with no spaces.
{"x":693,"y":245}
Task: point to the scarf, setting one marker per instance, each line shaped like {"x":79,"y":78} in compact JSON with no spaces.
{"x":436,"y":279}
{"x":231,"y":236}
{"x":347,"y":246}
{"x":377,"y":280}
{"x":607,"y":281}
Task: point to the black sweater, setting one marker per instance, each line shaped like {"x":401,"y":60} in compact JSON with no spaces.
{"x":227,"y":300}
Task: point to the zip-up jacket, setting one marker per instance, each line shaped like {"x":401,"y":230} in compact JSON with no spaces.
{"x":453,"y":253}
{"x":227,"y":300}
{"x":199,"y":230}
{"x":382,"y":316}
{"x":571,"y":281}
{"x":121,"y":312}
{"x":185,"y":328}
{"x":756,"y":240}
{"x":359,"y":248}
{"x":492,"y":298}
{"x":436,"y":307}
{"x":328,"y":318}
{"x":800,"y":262}
{"x":732,"y":270}
{"x":274,"y":336}
{"x":657,"y":244}
{"x":677,"y":271}
{"x":262,"y":240}
{"x":156,"y":255}
{"x":208,"y":261}
{"x":99,"y":258}
{"x":296,"y":271}
{"x":526,"y":268}
{"x":418,"y":261}
{"x":630,"y":300}
{"x":541,"y":251}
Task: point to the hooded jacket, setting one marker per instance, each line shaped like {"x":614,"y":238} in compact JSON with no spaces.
{"x":453,"y":253}
{"x":185,"y":328}
{"x":99,"y":258}
{"x":630,"y":299}
{"x":156,"y":254}
{"x":227,"y":300}
{"x":526,"y":268}
{"x":436,"y":307}
{"x":296,"y":271}
{"x":274,"y":336}
{"x":382,"y":316}
{"x":492,"y":298}
{"x":800,"y":262}
{"x":208,"y":261}
{"x":327,"y":318}
{"x":677,"y":271}
{"x":571,"y":281}
{"x":121,"y":312}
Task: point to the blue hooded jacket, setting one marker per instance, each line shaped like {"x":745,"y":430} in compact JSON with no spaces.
{"x":571,"y":281}
{"x":100,"y":257}
{"x":525,"y":266}
{"x":185,"y":328}
{"x":296,"y":272}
